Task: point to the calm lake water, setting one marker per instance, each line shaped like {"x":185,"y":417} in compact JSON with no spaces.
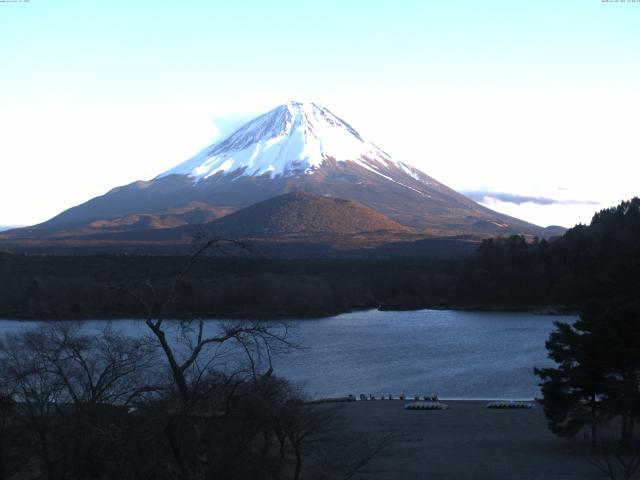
{"x":456,"y":354}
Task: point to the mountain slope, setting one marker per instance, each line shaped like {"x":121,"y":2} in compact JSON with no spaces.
{"x":297,"y":147}
{"x":4,"y":228}
{"x":304,"y":214}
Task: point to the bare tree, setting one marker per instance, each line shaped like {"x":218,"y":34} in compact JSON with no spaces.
{"x":303,"y":423}
{"x":63,"y":383}
{"x":37,"y":390}
{"x":194,"y":350}
{"x":103,"y":368}
{"x":256,"y":339}
{"x":7,"y":409}
{"x":616,"y":461}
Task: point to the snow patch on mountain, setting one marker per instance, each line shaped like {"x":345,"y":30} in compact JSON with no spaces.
{"x":292,"y":139}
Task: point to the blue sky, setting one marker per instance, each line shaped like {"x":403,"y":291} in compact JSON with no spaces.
{"x":535,"y":101}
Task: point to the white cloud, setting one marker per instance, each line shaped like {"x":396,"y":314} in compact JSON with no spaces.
{"x":546,"y":215}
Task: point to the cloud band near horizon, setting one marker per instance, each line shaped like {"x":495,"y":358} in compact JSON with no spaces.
{"x":486,"y":196}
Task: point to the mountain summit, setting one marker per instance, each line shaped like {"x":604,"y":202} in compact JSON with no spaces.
{"x":296,"y":147}
{"x":292,"y":139}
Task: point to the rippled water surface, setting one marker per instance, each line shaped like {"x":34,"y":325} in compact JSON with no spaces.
{"x":456,"y":354}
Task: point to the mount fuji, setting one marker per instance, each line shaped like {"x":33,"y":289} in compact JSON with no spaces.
{"x":293,"y":139}
{"x":296,"y":147}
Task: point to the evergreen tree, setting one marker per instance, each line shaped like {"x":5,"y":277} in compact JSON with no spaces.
{"x":619,"y":330}
{"x":598,"y":371}
{"x":573,"y":392}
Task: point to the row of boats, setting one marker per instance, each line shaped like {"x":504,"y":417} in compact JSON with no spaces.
{"x":435,"y":405}
{"x":510,"y":404}
{"x":431,"y":402}
{"x":427,"y":398}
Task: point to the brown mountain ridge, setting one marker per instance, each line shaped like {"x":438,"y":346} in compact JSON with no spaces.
{"x":303,"y":214}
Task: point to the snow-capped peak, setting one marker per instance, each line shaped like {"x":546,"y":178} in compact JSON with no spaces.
{"x":291,"y":139}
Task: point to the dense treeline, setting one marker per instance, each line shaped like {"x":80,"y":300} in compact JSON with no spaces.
{"x":595,"y":383}
{"x":587,"y":264}
{"x":599,"y":261}
{"x":70,"y":287}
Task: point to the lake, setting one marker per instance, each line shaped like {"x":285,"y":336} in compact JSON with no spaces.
{"x":456,"y":354}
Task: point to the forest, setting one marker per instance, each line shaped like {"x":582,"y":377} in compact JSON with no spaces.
{"x":599,"y":261}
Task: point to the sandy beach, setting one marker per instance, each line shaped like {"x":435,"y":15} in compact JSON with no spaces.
{"x":466,"y":441}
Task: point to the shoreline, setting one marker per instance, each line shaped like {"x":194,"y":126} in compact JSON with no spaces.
{"x":534,"y":310}
{"x":409,"y":399}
